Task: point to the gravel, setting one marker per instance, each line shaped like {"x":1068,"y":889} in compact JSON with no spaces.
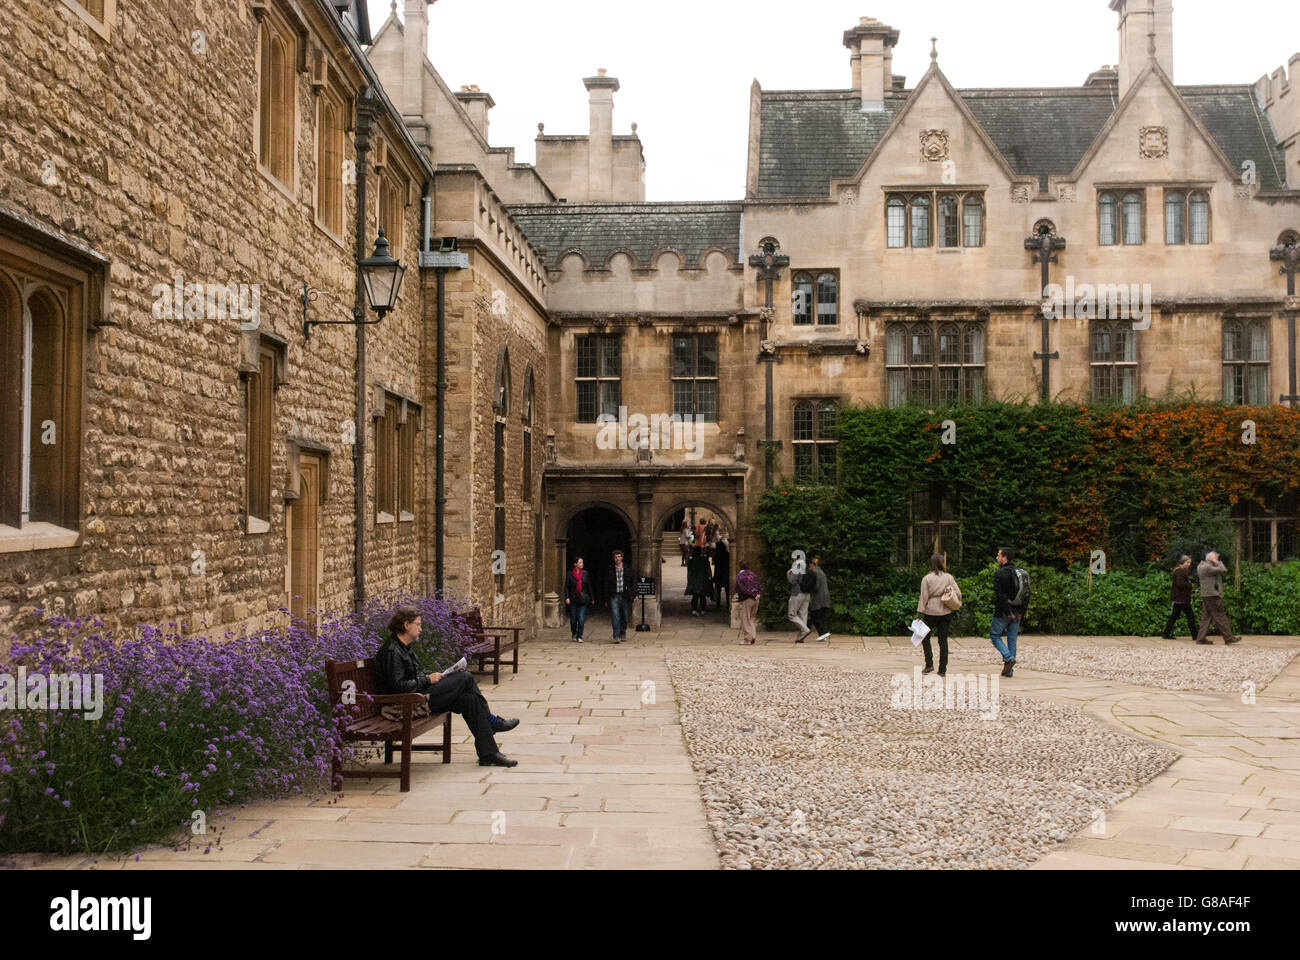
{"x":1176,"y":666}
{"x":811,"y":766}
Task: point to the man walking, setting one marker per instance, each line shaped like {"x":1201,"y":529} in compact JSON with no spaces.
{"x":799,"y":598}
{"x":1006,"y":614}
{"x":1210,"y":572}
{"x":748,"y":592}
{"x":398,"y":670}
{"x":684,"y":541}
{"x":619,"y":589}
{"x":819,"y":603}
{"x":1180,"y":593}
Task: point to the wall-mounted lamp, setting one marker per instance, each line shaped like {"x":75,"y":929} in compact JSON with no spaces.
{"x":382,"y":276}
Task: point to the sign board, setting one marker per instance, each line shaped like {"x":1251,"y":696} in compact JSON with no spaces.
{"x":445,"y":261}
{"x":645,"y":586}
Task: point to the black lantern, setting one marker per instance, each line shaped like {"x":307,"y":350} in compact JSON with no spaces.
{"x":383,"y":277}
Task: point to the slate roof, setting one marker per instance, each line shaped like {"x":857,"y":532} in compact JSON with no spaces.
{"x":809,"y":138}
{"x":599,"y":230}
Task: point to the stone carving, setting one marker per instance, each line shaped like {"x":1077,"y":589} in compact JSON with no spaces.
{"x":1242,"y":193}
{"x":848,"y":196}
{"x":1020,"y":193}
{"x":1065,"y":191}
{"x":934,"y":145}
{"x":1153,"y":143}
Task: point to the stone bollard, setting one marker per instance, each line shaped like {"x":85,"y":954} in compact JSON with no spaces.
{"x":551,"y":611}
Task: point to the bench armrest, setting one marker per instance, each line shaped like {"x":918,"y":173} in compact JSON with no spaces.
{"x":515,"y":630}
{"x":400,"y":699}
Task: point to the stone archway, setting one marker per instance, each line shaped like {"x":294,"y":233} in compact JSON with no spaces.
{"x":593,"y":532}
{"x":673,"y":602}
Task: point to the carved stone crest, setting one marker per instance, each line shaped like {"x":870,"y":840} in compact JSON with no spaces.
{"x":1065,"y":191}
{"x":1242,"y":193}
{"x":934,"y":145}
{"x":848,"y":196}
{"x":1153,"y":143}
{"x":1020,"y":193}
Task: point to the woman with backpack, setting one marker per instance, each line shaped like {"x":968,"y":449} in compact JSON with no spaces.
{"x":940,"y":599}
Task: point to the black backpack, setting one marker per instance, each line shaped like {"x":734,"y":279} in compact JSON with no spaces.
{"x":808,"y":582}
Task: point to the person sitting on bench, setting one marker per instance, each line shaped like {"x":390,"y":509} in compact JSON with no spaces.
{"x":398,"y":670}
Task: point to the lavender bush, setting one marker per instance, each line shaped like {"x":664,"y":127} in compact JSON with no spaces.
{"x":189,"y":723}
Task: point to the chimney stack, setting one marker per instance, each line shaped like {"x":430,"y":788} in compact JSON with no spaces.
{"x":476,"y":104}
{"x":600,"y":143}
{"x":1140,"y":23}
{"x":871,"y":44}
{"x":415,"y":50}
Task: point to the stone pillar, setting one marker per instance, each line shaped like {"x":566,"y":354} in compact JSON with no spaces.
{"x":648,"y":560}
{"x":551,"y":611}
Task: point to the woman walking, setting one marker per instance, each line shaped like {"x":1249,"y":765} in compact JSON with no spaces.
{"x":577,"y":597}
{"x":934,"y":586}
{"x":748,"y":592}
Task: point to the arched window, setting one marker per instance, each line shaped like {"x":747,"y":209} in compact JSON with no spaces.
{"x":501,"y":393}
{"x":277,"y":87}
{"x":329,"y":163}
{"x":803,"y":299}
{"x":1132,"y":219}
{"x":973,"y":217}
{"x":526,"y":415}
{"x":1175,"y":217}
{"x":1107,"y":234}
{"x":949,"y":228}
{"x":816,"y":441}
{"x":896,"y":222}
{"x":828,"y":300}
{"x":1198,"y":216}
{"x":1114,"y":361}
{"x":501,"y":407}
{"x":920,"y":221}
{"x":1245,"y":362}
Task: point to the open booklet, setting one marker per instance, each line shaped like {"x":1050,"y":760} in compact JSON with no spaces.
{"x":457,"y":667}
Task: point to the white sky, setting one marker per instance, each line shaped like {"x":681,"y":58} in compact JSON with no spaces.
{"x":685,"y":66}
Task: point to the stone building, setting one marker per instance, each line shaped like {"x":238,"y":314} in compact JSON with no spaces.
{"x":893,"y":221}
{"x":612,"y":365}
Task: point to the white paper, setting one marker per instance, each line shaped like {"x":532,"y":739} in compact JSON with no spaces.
{"x":456,"y":668}
{"x":919,"y":631}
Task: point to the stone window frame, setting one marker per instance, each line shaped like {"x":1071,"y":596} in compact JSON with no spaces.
{"x":909,"y":202}
{"x":527,"y":416}
{"x":816,"y":442}
{"x":1119,"y":233}
{"x":1245,"y":363}
{"x":502,"y":400}
{"x":1186,"y":198}
{"x":329,"y":198}
{"x":99,"y":15}
{"x":1281,"y":523}
{"x":695,"y":378}
{"x":935,"y":509}
{"x":815,"y":281}
{"x":1112,"y":363}
{"x":262,"y":368}
{"x":599,"y":372}
{"x":391,"y":203}
{"x":281,"y":124}
{"x":972,"y":333}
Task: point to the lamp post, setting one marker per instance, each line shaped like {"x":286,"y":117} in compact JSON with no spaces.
{"x":1044,"y":245}
{"x":447,"y":258}
{"x":1288,"y":254}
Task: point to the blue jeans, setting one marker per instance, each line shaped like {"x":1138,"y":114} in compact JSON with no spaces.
{"x":577,"y":618}
{"x":1011,"y":627}
{"x":620,"y":612}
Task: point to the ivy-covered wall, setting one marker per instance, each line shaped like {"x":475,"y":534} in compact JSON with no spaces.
{"x":1056,"y":483}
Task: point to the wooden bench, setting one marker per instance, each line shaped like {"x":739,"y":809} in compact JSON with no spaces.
{"x":489,"y":644}
{"x":364,"y":722}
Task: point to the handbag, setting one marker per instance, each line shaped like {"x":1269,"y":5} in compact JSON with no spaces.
{"x":951,"y":596}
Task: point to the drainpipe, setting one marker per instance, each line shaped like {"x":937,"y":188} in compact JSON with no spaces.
{"x":365,"y":117}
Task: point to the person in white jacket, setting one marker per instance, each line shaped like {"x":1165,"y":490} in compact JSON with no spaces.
{"x":937,"y":616}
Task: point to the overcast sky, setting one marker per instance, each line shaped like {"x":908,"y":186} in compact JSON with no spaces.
{"x":685,"y":66}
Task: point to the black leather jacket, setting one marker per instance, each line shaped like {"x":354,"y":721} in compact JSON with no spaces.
{"x":398,"y":670}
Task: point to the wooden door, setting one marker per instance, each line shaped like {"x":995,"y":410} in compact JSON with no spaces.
{"x":304,"y":542}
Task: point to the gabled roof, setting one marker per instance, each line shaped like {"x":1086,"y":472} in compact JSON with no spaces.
{"x":809,"y":138}
{"x":599,"y":230}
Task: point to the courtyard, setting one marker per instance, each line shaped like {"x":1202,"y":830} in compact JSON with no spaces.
{"x":623,"y":764}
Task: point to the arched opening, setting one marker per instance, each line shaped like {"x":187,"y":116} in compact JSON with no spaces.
{"x":594,"y":534}
{"x":673,"y":561}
